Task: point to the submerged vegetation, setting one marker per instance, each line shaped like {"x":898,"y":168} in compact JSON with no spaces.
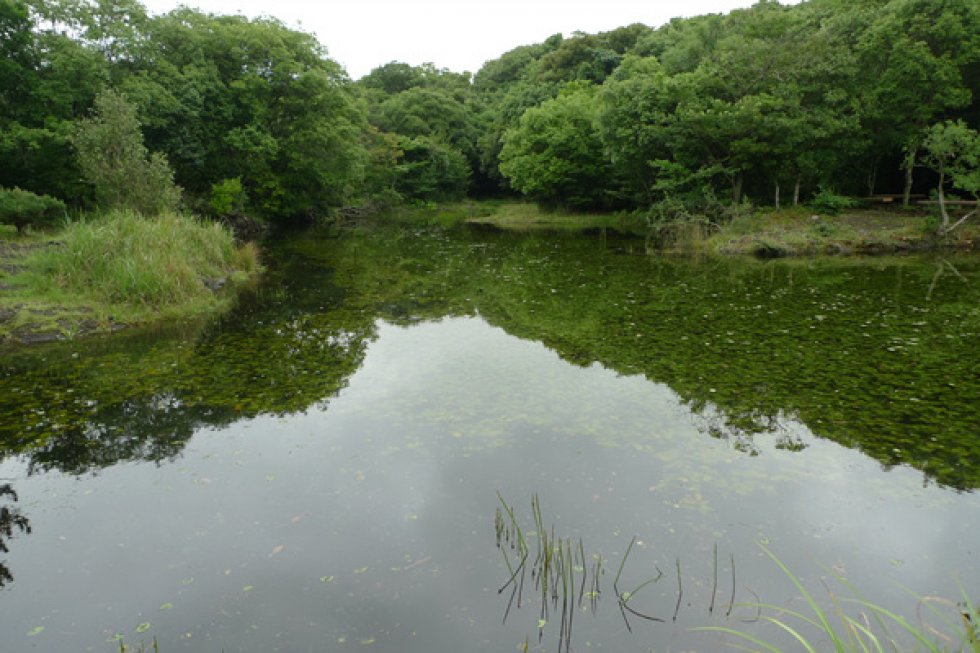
{"x":875,"y":357}
{"x":138,"y":150}
{"x":768,"y":357}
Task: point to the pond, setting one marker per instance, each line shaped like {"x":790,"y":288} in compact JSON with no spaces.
{"x":376,"y":448}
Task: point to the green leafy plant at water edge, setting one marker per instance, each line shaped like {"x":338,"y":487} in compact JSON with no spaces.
{"x":874,"y":629}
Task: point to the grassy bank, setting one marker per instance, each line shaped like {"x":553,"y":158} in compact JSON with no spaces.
{"x":117,"y":269}
{"x":511,"y":215}
{"x":796,"y":231}
{"x":802,"y":231}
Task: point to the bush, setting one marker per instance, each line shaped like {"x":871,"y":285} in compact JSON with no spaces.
{"x":830,"y":203}
{"x":113,"y":158}
{"x":429,"y":170}
{"x":228,"y":198}
{"x":23,"y":208}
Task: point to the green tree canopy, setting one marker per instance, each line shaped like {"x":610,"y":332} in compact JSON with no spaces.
{"x":115,"y":161}
{"x":555,"y":154}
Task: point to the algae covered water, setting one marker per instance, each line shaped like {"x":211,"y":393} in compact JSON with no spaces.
{"x":324,"y":468}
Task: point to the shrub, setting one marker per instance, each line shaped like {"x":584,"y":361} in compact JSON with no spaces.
{"x":228,"y":197}
{"x":830,"y":203}
{"x":113,"y":158}
{"x":23,"y":208}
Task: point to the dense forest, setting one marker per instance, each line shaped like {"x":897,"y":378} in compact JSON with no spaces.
{"x":772,"y":104}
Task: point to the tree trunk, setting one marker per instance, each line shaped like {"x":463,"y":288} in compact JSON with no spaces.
{"x":776,"y":182}
{"x":873,"y":177}
{"x":796,"y":190}
{"x":944,"y":228}
{"x":737,"y":189}
{"x":909,"y":167}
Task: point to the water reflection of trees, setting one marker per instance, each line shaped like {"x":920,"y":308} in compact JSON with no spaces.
{"x":85,"y":406}
{"x":12,"y":523}
{"x":80,"y":407}
{"x":873,"y":354}
{"x":877,"y":356}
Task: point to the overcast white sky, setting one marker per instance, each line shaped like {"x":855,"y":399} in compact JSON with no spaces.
{"x":454,"y":34}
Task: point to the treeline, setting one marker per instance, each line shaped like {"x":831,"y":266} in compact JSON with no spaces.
{"x":249,"y":114}
{"x":772,"y":102}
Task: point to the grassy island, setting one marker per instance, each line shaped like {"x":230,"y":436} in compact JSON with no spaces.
{"x":117,"y":269}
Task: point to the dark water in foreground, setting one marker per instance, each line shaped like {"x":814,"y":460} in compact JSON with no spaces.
{"x":319,"y":470}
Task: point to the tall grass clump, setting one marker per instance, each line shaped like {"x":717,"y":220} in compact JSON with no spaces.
{"x":853,"y":624}
{"x":159,"y":263}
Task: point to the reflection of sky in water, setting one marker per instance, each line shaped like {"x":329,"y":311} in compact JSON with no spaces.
{"x":368,"y":525}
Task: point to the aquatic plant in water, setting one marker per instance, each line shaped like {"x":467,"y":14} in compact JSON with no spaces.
{"x":875,"y":628}
{"x":551,"y":565}
{"x":557,"y":575}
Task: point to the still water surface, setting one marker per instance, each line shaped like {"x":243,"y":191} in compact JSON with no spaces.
{"x":319,"y":470}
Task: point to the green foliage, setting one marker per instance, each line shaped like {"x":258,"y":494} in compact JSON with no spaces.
{"x":159,"y":263}
{"x":227,"y":97}
{"x":428,"y":169}
{"x":113,"y":158}
{"x":22,"y":208}
{"x":228,"y":197}
{"x":431,"y":118}
{"x":952,"y":150}
{"x":828,"y":202}
{"x":555,"y":155}
{"x":762,"y":101}
{"x":639,"y":127}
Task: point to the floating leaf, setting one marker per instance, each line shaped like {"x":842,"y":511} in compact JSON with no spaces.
{"x":542,"y":623}
{"x":248,"y":588}
{"x":326,"y":579}
{"x":270,"y":477}
{"x":361,"y":570}
{"x":143,"y":627}
{"x":37,"y":630}
{"x":166,"y":606}
{"x":279,"y":548}
{"x":368,"y":641}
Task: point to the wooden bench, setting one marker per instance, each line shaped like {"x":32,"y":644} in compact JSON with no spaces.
{"x":889,"y":198}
